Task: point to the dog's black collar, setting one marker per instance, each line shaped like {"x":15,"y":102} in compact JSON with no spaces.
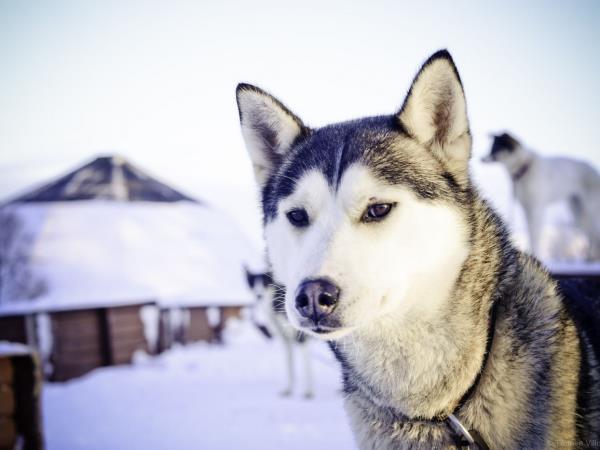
{"x":521,"y":171}
{"x":486,"y":355}
{"x":464,"y":437}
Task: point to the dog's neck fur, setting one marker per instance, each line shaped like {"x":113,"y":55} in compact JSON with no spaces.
{"x":433,"y":360}
{"x":428,"y":351}
{"x":400,"y":376}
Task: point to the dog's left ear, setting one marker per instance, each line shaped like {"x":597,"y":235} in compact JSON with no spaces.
{"x":435,"y":113}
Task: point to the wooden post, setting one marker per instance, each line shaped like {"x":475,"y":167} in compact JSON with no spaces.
{"x":20,"y":392}
{"x":105,"y":337}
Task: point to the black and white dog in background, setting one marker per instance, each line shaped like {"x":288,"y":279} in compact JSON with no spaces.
{"x":539,"y":181}
{"x":268,"y":314}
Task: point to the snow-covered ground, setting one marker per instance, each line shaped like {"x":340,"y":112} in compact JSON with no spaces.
{"x":199,"y":397}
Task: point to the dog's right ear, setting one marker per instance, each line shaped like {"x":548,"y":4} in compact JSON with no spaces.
{"x":434,"y":113}
{"x":268,"y":127}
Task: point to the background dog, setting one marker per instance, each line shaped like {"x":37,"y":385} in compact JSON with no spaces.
{"x":386,"y":249}
{"x":541,"y":181}
{"x":269,"y":316}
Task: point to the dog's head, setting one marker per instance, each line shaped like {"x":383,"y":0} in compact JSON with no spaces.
{"x":364,"y":220}
{"x":259,"y":283}
{"x":503,"y":149}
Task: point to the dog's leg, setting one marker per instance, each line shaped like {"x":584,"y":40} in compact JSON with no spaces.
{"x":307,"y":362}
{"x":594,"y":213}
{"x":592,"y":230}
{"x":287,"y":339}
{"x":289,"y":362}
{"x":594,"y":252}
{"x":594,"y":240}
{"x":585,"y":216}
{"x":535,"y":223}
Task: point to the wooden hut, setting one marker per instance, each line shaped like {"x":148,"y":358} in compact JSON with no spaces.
{"x":195,"y":322}
{"x":199,"y":326}
{"x":74,"y":341}
{"x":105,"y":232}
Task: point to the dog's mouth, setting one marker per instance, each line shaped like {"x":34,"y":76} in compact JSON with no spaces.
{"x":325,"y":332}
{"x":322,"y":330}
{"x":321,"y":326}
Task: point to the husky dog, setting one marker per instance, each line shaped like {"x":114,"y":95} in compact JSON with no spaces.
{"x":446,"y":334}
{"x":539,"y":181}
{"x":269,"y":316}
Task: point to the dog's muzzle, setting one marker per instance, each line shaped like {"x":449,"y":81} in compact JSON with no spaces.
{"x":315,"y":301}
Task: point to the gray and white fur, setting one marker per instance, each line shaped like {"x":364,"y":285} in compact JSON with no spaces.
{"x":386,"y":250}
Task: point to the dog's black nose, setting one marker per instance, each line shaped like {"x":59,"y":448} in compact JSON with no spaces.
{"x":316,"y":299}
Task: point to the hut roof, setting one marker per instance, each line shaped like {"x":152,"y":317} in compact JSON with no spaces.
{"x":107,"y":178}
{"x":93,"y":243}
{"x":102,"y":253}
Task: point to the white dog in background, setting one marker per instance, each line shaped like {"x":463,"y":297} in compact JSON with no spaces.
{"x":269,"y":316}
{"x":540,"y":181}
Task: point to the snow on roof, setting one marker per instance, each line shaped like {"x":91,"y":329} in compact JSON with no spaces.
{"x":102,"y":253}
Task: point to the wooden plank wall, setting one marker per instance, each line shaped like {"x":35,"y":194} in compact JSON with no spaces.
{"x":230,"y":311}
{"x":8,"y":427}
{"x":199,"y":328}
{"x":125,"y":333}
{"x":78,"y":345}
{"x":226,"y":312}
{"x":20,"y":391}
{"x":87,"y":339}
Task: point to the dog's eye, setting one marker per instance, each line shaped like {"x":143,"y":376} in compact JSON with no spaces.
{"x":377,"y":212}
{"x":298,"y":217}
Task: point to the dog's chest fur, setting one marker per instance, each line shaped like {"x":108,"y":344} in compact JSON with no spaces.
{"x":526,"y":396}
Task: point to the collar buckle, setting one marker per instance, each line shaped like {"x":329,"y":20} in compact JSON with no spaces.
{"x":469,"y":439}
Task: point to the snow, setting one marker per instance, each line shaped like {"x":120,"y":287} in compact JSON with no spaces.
{"x":200,"y":397}
{"x":150,"y":316}
{"x":13,"y":348}
{"x":108,"y":252}
{"x":213,"y":316}
{"x":45,"y":340}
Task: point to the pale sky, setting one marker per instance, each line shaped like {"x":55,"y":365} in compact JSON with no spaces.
{"x":155,"y":81}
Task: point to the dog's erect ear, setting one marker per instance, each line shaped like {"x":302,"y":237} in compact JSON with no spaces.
{"x":435,"y":112}
{"x":268,"y":127}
